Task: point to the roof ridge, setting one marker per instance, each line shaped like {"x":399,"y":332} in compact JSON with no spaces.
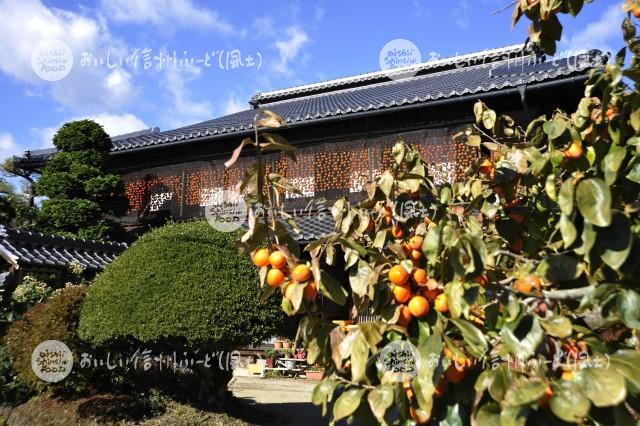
{"x":390,"y":72}
{"x":392,"y":82}
{"x":6,"y":233}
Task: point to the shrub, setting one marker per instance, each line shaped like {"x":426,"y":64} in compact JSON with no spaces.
{"x":11,"y":389}
{"x":182,"y":287}
{"x":183,"y":282}
{"x":55,"y":319}
{"x":31,"y":290}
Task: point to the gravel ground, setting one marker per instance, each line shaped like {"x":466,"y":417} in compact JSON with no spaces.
{"x":289,"y":400}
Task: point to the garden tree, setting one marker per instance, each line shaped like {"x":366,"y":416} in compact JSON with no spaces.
{"x":182,"y":287}
{"x":14,"y":208}
{"x":517,"y":285}
{"x":82,"y":199}
{"x":10,"y":169}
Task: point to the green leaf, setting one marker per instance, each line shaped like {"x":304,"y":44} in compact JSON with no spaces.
{"x":625,"y":362}
{"x":332,"y":289}
{"x":628,"y":304}
{"x":474,"y":140}
{"x":398,"y":152}
{"x":454,"y":416}
{"x":560,"y":268}
{"x":488,"y":415}
{"x":550,"y":188}
{"x":347,"y":403}
{"x":557,"y":326}
{"x":489,"y":119}
{"x":483,"y":381}
{"x":473,"y":337}
{"x":455,"y":298}
{"x":501,"y":381}
{"x":589,"y":235}
{"x":555,"y":128}
{"x":432,"y":244}
{"x":362,"y":277}
{"x":529,"y":328}
{"x":594,"y":201}
{"x":278,"y":143}
{"x":634,"y":174}
{"x":568,"y":231}
{"x":565,"y":197}
{"x":236,"y":153}
{"x":612,"y":162}
{"x":359,"y":358}
{"x":524,"y":392}
{"x":478,"y":109}
{"x":371,"y":332}
{"x":296,"y":295}
{"x":568,"y":402}
{"x":385,"y":183}
{"x":634,"y":117}
{"x":348,"y":242}
{"x":380,"y":399}
{"x":574,"y":7}
{"x":381,"y":238}
{"x":287,"y":307}
{"x":513,"y":416}
{"x":614,"y":243}
{"x":323,"y":391}
{"x":603,"y":386}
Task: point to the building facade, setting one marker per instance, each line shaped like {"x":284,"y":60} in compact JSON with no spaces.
{"x":344,"y":130}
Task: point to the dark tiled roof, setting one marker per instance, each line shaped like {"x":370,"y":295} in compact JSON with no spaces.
{"x":385,"y":75}
{"x":312,"y":227}
{"x":465,"y":80}
{"x":26,"y":248}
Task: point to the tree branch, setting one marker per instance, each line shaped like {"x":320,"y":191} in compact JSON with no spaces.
{"x":502,"y":9}
{"x":569,"y":294}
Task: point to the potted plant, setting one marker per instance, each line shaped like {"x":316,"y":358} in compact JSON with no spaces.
{"x":314,"y":372}
{"x":279,"y":343}
{"x":270,"y":355}
{"x":288,"y":353}
{"x":288,"y":344}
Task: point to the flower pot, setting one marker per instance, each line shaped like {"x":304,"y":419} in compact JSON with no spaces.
{"x":314,"y":375}
{"x":288,"y":345}
{"x":269,"y":363}
{"x":278,"y":344}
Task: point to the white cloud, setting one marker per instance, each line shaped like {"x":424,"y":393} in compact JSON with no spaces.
{"x":114,"y":125}
{"x":461,"y":14}
{"x":8,"y":146}
{"x":117,"y":124}
{"x":26,"y":23}
{"x":419,"y":11}
{"x":168,"y":14}
{"x":289,"y":48}
{"x":603,"y":34}
{"x":263,"y":26}
{"x":319,"y":11}
{"x":44,"y":136}
{"x":233,"y":104}
{"x":184,"y":110}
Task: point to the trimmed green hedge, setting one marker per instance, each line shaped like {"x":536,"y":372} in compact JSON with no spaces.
{"x":54,"y":319}
{"x":182,"y":282}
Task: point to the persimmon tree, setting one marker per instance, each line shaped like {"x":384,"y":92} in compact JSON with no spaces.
{"x":517,"y":285}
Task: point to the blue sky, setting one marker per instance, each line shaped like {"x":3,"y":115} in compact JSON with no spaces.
{"x":299,"y":42}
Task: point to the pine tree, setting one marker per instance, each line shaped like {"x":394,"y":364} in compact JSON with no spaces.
{"x":82,"y":198}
